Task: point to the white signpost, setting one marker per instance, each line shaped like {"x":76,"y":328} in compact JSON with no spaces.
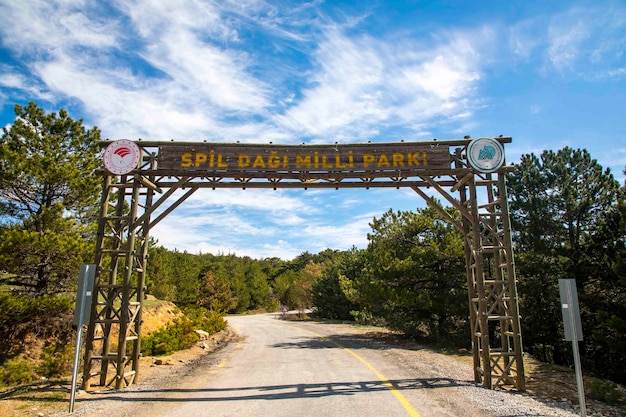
{"x":573,"y":331}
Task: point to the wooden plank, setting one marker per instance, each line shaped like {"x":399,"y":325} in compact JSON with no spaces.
{"x":156,"y":143}
{"x":289,"y":161}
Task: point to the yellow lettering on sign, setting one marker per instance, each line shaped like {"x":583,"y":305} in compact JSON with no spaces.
{"x":220,"y":163}
{"x":414,"y":158}
{"x":200,"y":158}
{"x":186,"y":160}
{"x":313,"y":160}
{"x":258,"y":162}
{"x":303,"y":160}
{"x":383,"y":161}
{"x":338,"y":163}
{"x":398,"y":159}
{"x":274,"y":160}
{"x":244,"y":160}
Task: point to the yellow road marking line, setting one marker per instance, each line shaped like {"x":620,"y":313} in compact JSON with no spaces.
{"x":386,"y":382}
{"x":225,"y":361}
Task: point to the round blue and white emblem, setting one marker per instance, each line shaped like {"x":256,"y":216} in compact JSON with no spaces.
{"x":485,"y":154}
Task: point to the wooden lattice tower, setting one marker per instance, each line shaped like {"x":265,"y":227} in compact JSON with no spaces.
{"x":130,"y":201}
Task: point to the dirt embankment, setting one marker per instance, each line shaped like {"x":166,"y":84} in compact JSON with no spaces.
{"x":158,"y":314}
{"x":48,"y":397}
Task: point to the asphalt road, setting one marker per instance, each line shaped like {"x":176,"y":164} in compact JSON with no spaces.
{"x":283,"y":368}
{"x":305,"y":369}
{"x":294,"y":369}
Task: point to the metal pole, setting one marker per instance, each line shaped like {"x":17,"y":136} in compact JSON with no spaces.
{"x":577,"y":366}
{"x":79,"y":338}
{"x":84,"y":295}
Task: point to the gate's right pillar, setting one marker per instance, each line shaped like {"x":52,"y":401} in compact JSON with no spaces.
{"x":491,"y":280}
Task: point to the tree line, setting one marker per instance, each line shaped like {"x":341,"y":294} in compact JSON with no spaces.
{"x":568,"y":216}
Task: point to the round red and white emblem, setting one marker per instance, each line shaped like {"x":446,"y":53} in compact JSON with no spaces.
{"x":121,"y":157}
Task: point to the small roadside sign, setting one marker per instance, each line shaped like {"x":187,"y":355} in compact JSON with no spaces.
{"x":573,"y":332}
{"x":569,"y":308}
{"x":86,"y":276}
{"x":84,"y":294}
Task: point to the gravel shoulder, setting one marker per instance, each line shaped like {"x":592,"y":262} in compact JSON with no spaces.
{"x":550,"y":390}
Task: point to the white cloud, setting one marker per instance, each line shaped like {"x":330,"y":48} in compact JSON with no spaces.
{"x":48,"y":27}
{"x":195,"y":230}
{"x":343,"y":89}
{"x":617,"y":73}
{"x":196,"y":86}
{"x":127,"y":107}
{"x":580,"y":42}
{"x":362,"y":84}
{"x":261,"y":199}
{"x":565,"y":41}
{"x":206,"y":83}
{"x":153,"y":17}
{"x":13,"y":79}
{"x":343,"y":236}
{"x":527,"y":36}
{"x":588,"y":41}
{"x":255,"y":222}
{"x":227,"y":219}
{"x":202,"y":69}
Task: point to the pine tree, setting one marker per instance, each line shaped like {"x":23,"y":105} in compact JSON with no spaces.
{"x":47,"y":163}
{"x":48,"y":190}
{"x":564,"y":210}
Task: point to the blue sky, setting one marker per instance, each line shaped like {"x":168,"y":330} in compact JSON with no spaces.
{"x":548,"y":73}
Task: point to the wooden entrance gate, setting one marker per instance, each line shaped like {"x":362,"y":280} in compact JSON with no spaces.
{"x":470,"y":169}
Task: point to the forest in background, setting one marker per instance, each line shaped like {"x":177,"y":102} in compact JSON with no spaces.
{"x":568,"y":216}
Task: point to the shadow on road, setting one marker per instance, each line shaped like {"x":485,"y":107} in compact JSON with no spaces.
{"x":365,"y":341}
{"x":273,"y":392}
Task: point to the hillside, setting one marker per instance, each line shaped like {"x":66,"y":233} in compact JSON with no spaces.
{"x":46,"y":396}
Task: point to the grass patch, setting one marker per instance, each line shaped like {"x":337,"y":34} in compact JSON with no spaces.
{"x":181,"y":334}
{"x":604,"y":391}
{"x":153,"y":303}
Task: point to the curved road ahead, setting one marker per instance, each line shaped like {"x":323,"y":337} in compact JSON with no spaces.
{"x":304,"y":369}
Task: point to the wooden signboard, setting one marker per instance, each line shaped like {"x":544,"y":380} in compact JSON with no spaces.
{"x":369,"y":160}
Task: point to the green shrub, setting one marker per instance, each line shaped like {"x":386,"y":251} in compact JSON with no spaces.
{"x":181,"y":333}
{"x":16,"y":371}
{"x":605,"y":391}
{"x":208,"y":320}
{"x":49,"y":319}
{"x":56,"y":361}
{"x":48,"y":316}
{"x":176,"y":336}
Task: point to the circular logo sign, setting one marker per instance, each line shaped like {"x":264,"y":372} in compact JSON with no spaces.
{"x":485,"y":154}
{"x":121,"y":157}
